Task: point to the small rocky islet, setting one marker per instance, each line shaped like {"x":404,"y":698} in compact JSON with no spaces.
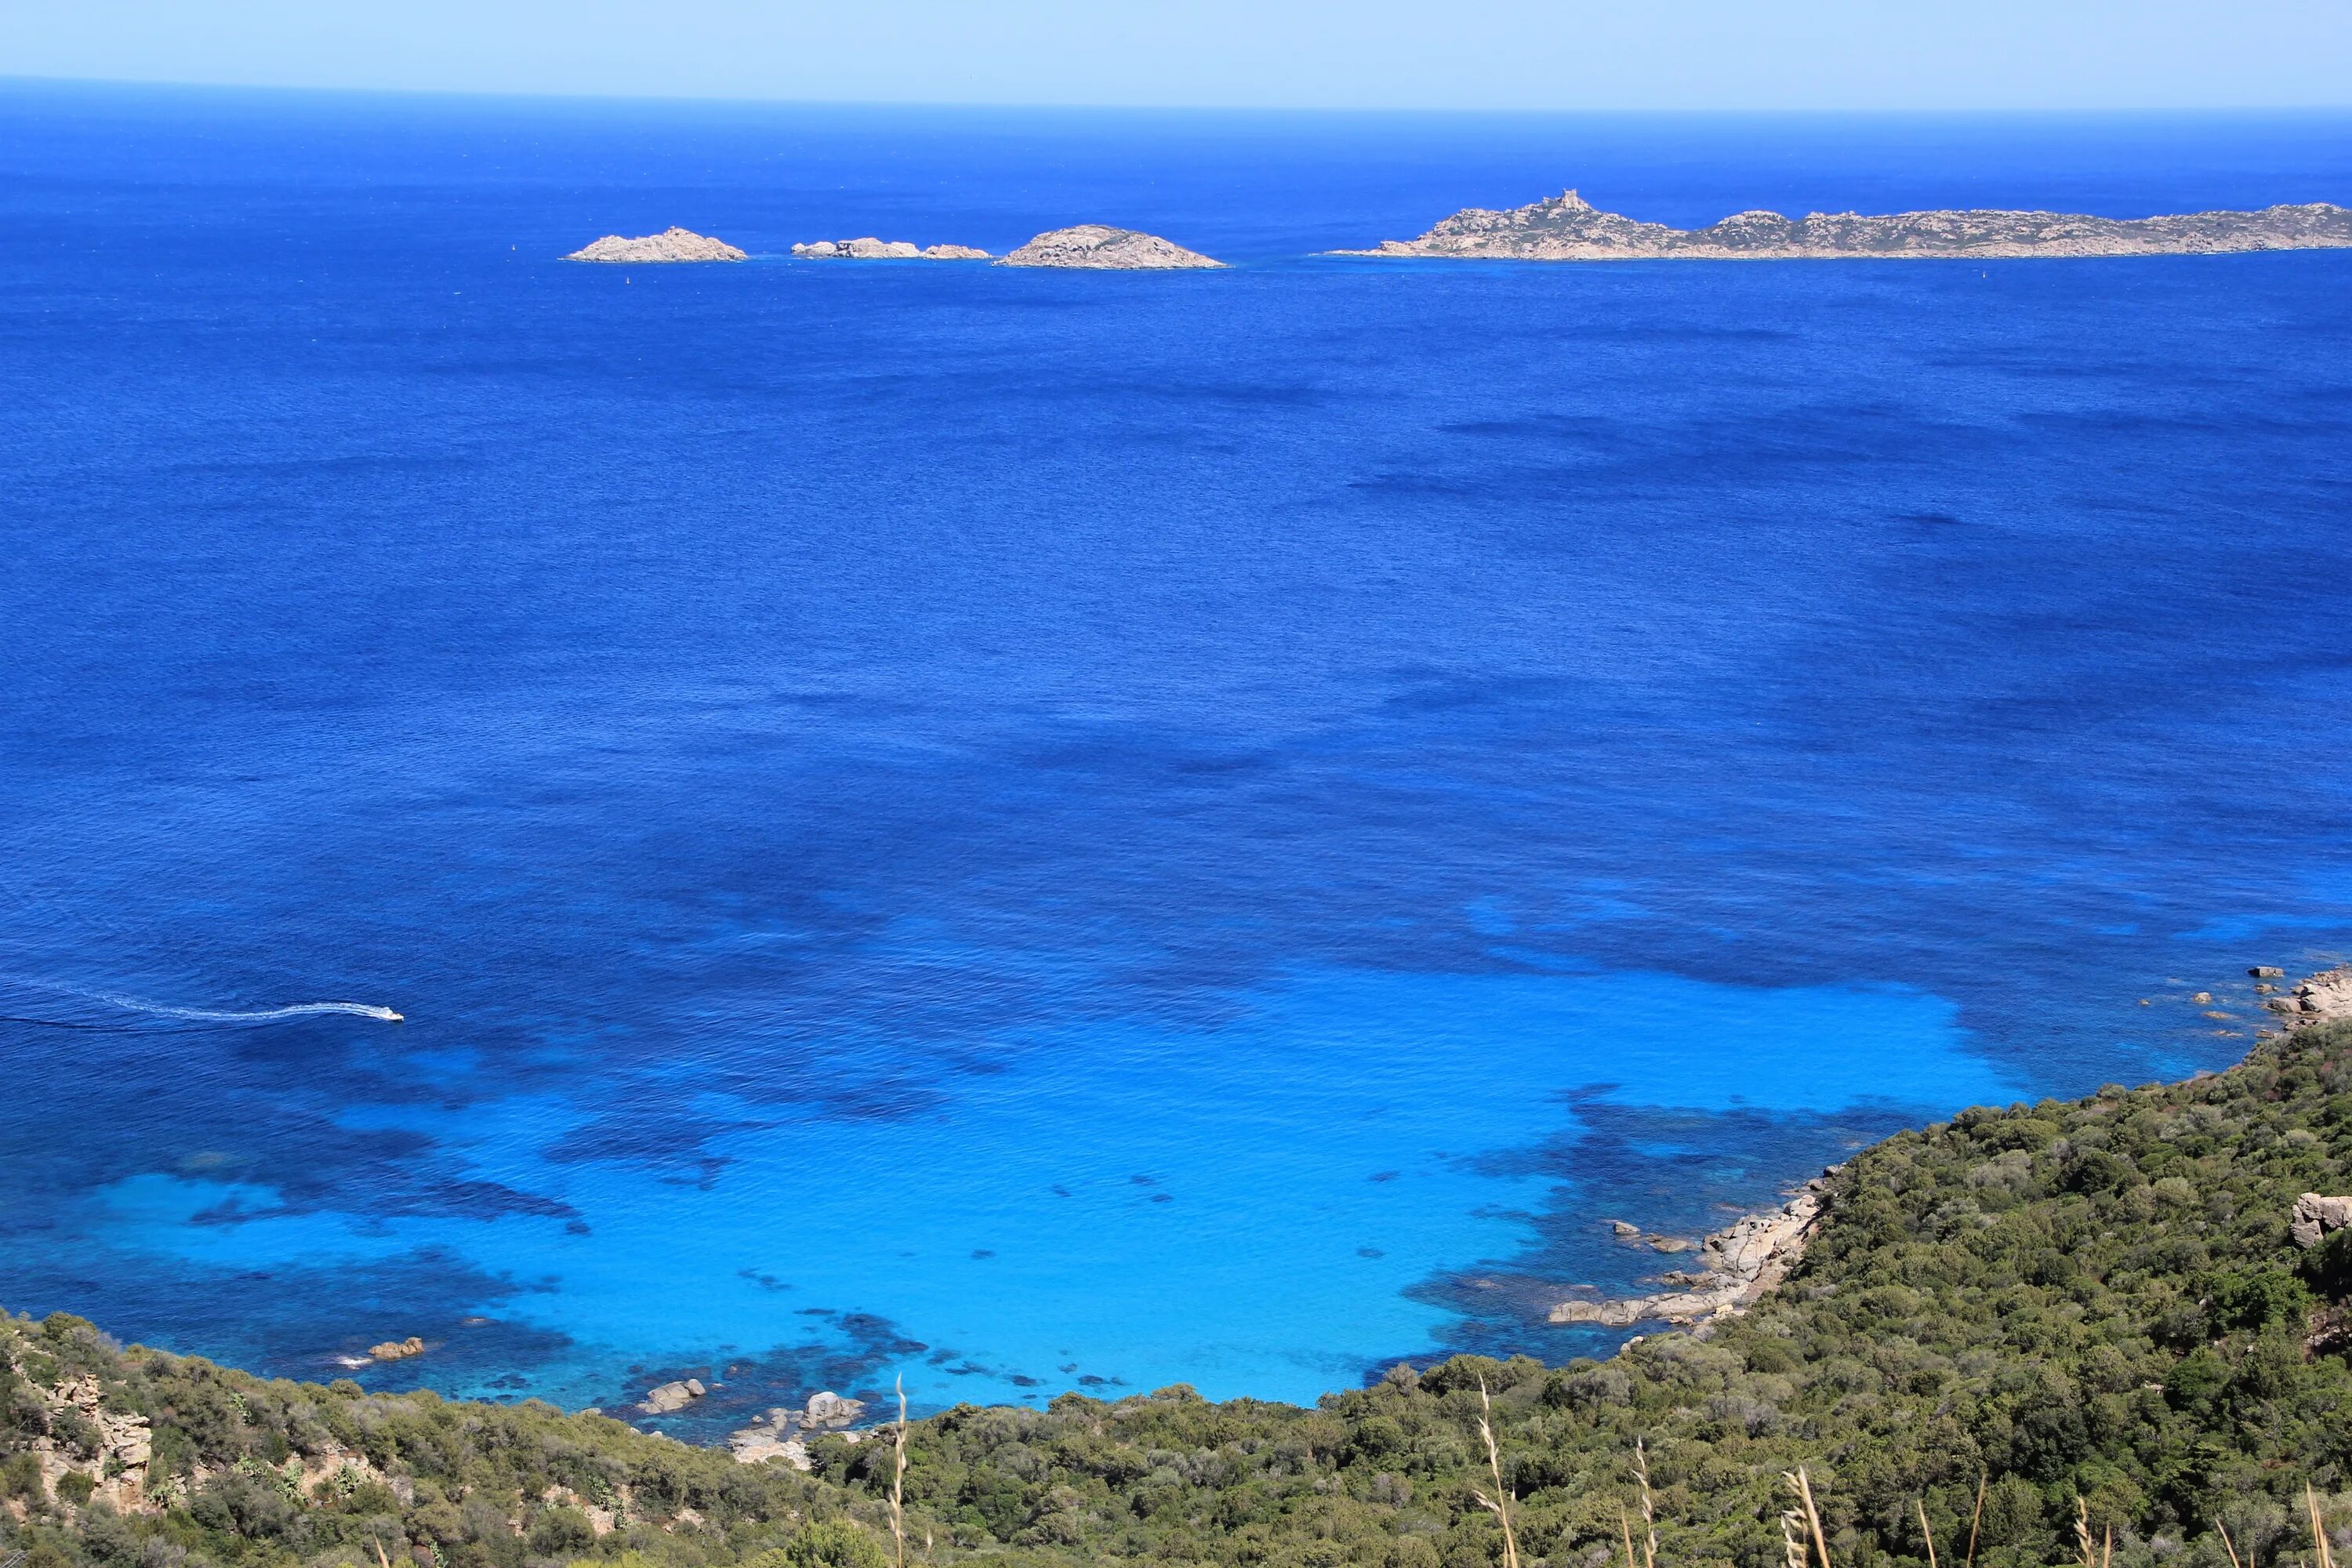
{"x":1088,"y":246}
{"x":1098,"y":246}
{"x":1092,"y":246}
{"x":871,"y":249}
{"x":672,"y":244}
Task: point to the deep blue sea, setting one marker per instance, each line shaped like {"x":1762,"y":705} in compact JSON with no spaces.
{"x":1040,"y":830}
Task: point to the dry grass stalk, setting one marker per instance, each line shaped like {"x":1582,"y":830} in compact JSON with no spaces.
{"x":2223,"y":1530}
{"x":380,"y":1557}
{"x":1927,"y":1532}
{"x":1793,"y":1551}
{"x":1977,"y":1518}
{"x":2082,"y":1534}
{"x":1649,"y":1511}
{"x":2107,"y":1551}
{"x":2318,"y":1528}
{"x":1803,"y":1486}
{"x":898,"y":1482}
{"x":1625,"y":1528}
{"x":1500,"y":1503}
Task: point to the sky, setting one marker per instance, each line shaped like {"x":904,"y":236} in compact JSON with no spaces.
{"x":1337,"y":53}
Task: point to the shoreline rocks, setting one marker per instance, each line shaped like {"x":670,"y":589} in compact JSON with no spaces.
{"x":1567,"y":227}
{"x":782,"y":1434}
{"x":670,"y":244}
{"x":1740,"y":1262}
{"x":872,"y":249}
{"x":396,"y":1350}
{"x":1099,"y":245}
{"x":2321,"y":998}
{"x":672,"y":1396}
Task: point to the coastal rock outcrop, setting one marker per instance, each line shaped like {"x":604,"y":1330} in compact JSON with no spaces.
{"x":781,"y":1434}
{"x":396,"y":1350}
{"x":872,"y":249}
{"x":118,"y":1454}
{"x":2321,"y":999}
{"x":773,"y":1438}
{"x":1094,"y":245}
{"x":1567,"y":227}
{"x":830,"y":1409}
{"x":2315,"y":1216}
{"x":1741,"y":1262}
{"x":670,"y":244}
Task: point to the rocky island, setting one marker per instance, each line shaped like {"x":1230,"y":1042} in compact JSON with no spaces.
{"x":1095,"y":244}
{"x":872,"y":249}
{"x":1567,"y":227}
{"x":670,"y":244}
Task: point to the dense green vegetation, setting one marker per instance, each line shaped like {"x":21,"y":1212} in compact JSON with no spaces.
{"x":2094,"y":1301}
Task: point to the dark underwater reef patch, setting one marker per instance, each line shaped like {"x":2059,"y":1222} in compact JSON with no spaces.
{"x":257,"y":1108}
{"x":742,"y":1389}
{"x":653,"y":1137}
{"x":302,"y":1321}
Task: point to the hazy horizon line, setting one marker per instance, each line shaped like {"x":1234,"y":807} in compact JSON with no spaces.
{"x":547,"y":95}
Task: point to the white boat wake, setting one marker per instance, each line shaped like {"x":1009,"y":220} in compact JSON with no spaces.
{"x":300,"y":1009}
{"x":165,"y":1011}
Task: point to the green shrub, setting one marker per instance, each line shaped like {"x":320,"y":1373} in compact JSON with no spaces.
{"x":559,"y":1531}
{"x":829,"y":1544}
{"x":20,"y":1476}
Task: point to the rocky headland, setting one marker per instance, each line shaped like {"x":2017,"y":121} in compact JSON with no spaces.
{"x":1567,"y":227}
{"x":872,"y":249}
{"x":670,"y":244}
{"x":1094,"y":245}
{"x":1740,"y":1263}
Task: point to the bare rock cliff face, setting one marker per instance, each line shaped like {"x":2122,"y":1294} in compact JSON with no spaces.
{"x":670,"y":244}
{"x":1567,"y":229}
{"x":1095,"y":244}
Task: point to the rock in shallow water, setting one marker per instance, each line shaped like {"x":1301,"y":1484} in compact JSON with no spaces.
{"x":671,"y":1396}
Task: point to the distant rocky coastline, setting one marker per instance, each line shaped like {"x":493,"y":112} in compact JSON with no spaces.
{"x":872,"y":249}
{"x":1098,"y":245}
{"x":1567,"y":229}
{"x":670,"y":244}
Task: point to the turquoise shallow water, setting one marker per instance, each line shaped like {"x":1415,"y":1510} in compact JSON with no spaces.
{"x":1046,"y":831}
{"x":1252,"y":1201}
